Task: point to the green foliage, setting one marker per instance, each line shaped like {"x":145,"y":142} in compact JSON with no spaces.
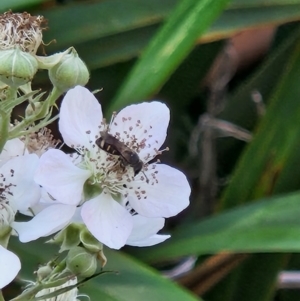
{"x":140,"y":49}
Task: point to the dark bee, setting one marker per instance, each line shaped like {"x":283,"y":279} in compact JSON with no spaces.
{"x":113,"y":146}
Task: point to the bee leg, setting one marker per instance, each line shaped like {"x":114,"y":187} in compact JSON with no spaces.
{"x":114,"y":167}
{"x":123,"y":163}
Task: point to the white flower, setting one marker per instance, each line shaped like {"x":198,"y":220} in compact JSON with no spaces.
{"x":109,"y":193}
{"x":10,"y":266}
{"x":18,"y":192}
{"x":12,"y":148}
{"x":17,"y":187}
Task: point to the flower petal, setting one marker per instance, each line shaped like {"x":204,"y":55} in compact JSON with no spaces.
{"x":10,"y":266}
{"x":107,"y":220}
{"x":144,"y":231}
{"x":19,"y":172}
{"x":145,"y":226}
{"x":166,"y":194}
{"x":149,"y":241}
{"x":60,"y":177}
{"x":146,"y":123}
{"x":47,"y":222}
{"x":12,"y":148}
{"x":80,"y":117}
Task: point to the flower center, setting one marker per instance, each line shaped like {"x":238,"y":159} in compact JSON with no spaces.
{"x":7,"y":212}
{"x":107,"y":170}
{"x":113,"y":158}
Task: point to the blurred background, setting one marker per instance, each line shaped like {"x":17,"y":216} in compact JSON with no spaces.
{"x":230,"y":73}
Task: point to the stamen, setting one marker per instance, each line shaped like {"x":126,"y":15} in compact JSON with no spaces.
{"x":162,"y":150}
{"x":147,"y":180}
{"x":39,"y":142}
{"x":113,"y":116}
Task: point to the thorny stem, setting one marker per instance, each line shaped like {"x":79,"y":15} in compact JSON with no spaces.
{"x":33,"y":129}
{"x":31,"y":292}
{"x":53,"y":96}
{"x":4,"y":121}
{"x":11,"y":93}
{"x":59,"y":268}
{"x":45,"y":111}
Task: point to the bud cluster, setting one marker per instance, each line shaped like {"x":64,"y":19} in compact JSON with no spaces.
{"x":24,"y":141}
{"x":20,"y":38}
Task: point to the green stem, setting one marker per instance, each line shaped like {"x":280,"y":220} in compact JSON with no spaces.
{"x":12,"y":93}
{"x":29,"y":294}
{"x":18,"y":128}
{"x":43,"y":113}
{"x":59,"y":268}
{"x":53,"y":96}
{"x":32,"y":129}
{"x":4,"y":122}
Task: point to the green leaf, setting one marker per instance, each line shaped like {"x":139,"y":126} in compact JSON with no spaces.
{"x":5,"y":5}
{"x":102,"y":19}
{"x":236,"y":19}
{"x":117,"y":47}
{"x":274,"y":146}
{"x":117,"y":30}
{"x":270,"y":225}
{"x":263,"y":3}
{"x":268,"y":165}
{"x":134,"y":282}
{"x":169,"y":47}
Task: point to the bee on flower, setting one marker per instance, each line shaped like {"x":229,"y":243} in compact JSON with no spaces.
{"x":118,"y":204}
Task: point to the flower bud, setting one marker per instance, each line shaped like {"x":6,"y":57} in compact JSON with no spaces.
{"x":17,"y":67}
{"x":81,"y":262}
{"x":69,"y":72}
{"x":43,"y":272}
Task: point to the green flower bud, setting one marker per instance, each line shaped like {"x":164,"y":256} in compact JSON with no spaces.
{"x":69,"y":72}
{"x":68,"y":238}
{"x":17,"y":67}
{"x":43,"y":272}
{"x":81,"y":262}
{"x":75,"y":234}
